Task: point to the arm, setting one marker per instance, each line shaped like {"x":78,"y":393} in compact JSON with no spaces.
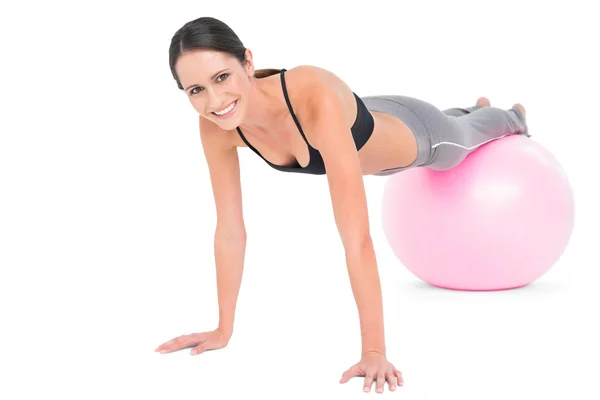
{"x":334,"y":141}
{"x":230,"y":232}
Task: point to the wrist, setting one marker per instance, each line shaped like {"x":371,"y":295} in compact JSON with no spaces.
{"x":371,"y":352}
{"x":226,"y":332}
{"x":373,"y":338}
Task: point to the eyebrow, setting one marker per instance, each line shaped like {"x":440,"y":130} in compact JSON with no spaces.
{"x":211,"y":78}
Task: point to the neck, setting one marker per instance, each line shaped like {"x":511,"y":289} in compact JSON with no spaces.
{"x":266,"y":107}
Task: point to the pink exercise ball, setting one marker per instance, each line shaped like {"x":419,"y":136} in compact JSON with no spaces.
{"x":499,"y":220}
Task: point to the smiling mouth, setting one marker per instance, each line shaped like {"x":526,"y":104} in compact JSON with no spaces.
{"x":226,"y":112}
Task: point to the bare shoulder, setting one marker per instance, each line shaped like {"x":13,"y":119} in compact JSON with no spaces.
{"x":311,"y":88}
{"x":310,"y":77}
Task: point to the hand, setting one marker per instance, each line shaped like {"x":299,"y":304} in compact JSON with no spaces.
{"x":375,"y":366}
{"x":199,"y":341}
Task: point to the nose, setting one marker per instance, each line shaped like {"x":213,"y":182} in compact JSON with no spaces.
{"x":216,"y":100}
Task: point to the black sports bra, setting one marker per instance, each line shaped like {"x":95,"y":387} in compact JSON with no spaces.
{"x":361,"y":132}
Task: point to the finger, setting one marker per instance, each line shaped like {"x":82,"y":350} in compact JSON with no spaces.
{"x":398,"y":375}
{"x":198,"y":350}
{"x":165,"y":344}
{"x":391,"y":380}
{"x":368,"y":381}
{"x":352,"y":372}
{"x":380,"y":382}
{"x":180,"y":342}
{"x":171,"y":345}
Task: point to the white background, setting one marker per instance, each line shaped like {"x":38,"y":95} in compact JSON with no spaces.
{"x":107,"y":215}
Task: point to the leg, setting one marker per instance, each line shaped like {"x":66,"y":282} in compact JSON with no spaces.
{"x":459,"y":112}
{"x":472,"y":130}
{"x":445,"y":138}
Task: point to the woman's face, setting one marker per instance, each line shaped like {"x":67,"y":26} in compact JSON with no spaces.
{"x":216,"y":84}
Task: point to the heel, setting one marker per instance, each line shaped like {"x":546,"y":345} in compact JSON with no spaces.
{"x":523,"y":121}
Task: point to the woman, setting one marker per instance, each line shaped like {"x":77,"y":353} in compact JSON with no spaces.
{"x":307,"y":120}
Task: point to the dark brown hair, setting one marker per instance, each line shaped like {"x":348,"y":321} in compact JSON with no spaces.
{"x":207,"y":33}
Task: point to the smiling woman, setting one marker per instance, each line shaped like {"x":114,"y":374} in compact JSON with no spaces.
{"x":307,"y":120}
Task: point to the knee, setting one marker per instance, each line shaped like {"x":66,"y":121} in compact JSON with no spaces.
{"x":445,"y":157}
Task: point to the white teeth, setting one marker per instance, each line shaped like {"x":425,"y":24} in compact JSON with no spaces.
{"x":225,"y":111}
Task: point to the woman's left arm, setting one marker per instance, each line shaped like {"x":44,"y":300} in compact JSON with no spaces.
{"x":334,"y":140}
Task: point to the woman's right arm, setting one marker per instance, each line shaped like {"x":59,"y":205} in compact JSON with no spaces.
{"x":230,"y":233}
{"x":230,"y":239}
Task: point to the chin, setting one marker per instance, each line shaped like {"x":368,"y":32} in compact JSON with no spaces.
{"x":228,"y":126}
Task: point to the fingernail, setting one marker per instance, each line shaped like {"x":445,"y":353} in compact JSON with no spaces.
{"x":366,"y":389}
{"x":193,"y":352}
{"x":163,"y":351}
{"x":379,"y":390}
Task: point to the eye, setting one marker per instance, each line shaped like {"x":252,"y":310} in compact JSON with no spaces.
{"x":220,"y":78}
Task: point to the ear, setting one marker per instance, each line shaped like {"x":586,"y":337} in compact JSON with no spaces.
{"x":249,"y":67}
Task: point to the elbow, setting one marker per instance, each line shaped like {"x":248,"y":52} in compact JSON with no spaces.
{"x":230,"y":234}
{"x":357,"y":244}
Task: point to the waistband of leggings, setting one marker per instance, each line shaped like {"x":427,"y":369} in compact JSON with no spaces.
{"x":416,"y":124}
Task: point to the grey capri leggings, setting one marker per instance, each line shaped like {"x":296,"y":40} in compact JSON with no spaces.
{"x":445,"y":138}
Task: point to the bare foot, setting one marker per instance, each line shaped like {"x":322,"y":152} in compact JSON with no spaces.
{"x":483,"y":102}
{"x":520,"y":107}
